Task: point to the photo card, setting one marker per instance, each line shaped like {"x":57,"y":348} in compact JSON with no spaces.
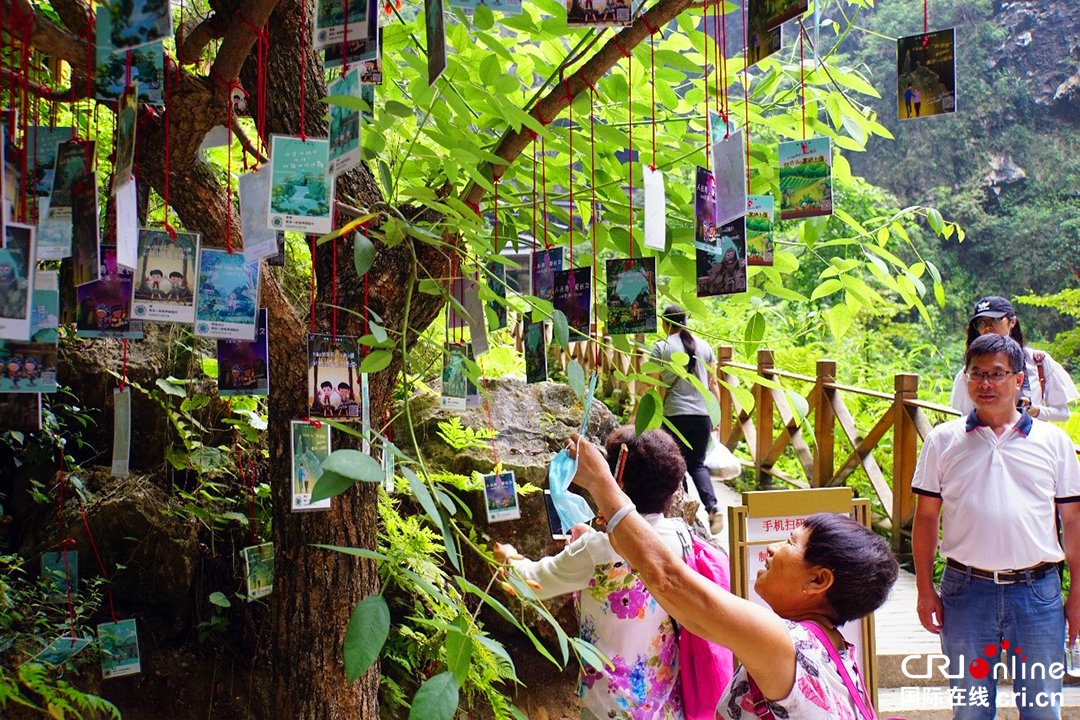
{"x":759,"y":230}
{"x":59,"y":573}
{"x":704,"y":207}
{"x":119,"y":642}
{"x":20,"y":412}
{"x":344,"y":153}
{"x":655,"y":208}
{"x":777,"y":12}
{"x":244,"y":365}
{"x":45,"y":308}
{"x":573,"y":296}
{"x":535,"y":342}
{"x":44,"y":141}
{"x":332,"y":27}
{"x":167,"y":268}
{"x":435,"y":28}
{"x":721,"y":264}
{"x":762,"y":38}
{"x":125,"y":136}
{"x":631,"y":295}
{"x":926,"y":74}
{"x":134,"y":23}
{"x":259,"y":570}
{"x":496,"y":309}
{"x":500,"y":497}
{"x":27,"y":367}
{"x":805,"y":178}
{"x":85,"y":231}
{"x":455,"y":381}
{"x":226,"y":295}
{"x":545,"y":263}
{"x":113,"y":75}
{"x":60,"y":650}
{"x":260,"y":241}
{"x":333,"y":377}
{"x":300,"y":189}
{"x":104,"y":306}
{"x":71,"y":166}
{"x":310,"y":445}
{"x":17,"y":266}
{"x":597,"y":13}
{"x":508,"y":7}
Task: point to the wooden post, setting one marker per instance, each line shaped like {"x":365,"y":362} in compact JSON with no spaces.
{"x":905,"y":387}
{"x":723,"y":356}
{"x":763,"y":402}
{"x":824,"y":421}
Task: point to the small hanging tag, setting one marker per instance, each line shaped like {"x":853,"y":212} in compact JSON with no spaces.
{"x":500,"y":497}
{"x":61,"y":650}
{"x":60,"y":574}
{"x":365,"y":413}
{"x":127,"y":226}
{"x":125,"y":137}
{"x":455,"y":383}
{"x":655,"y":208}
{"x":121,"y":431}
{"x":259,"y":241}
{"x":119,"y":642}
{"x":165,"y":291}
{"x":345,"y":124}
{"x":310,"y":446}
{"x":333,"y":390}
{"x":535,"y":342}
{"x":388,"y":466}
{"x":729,"y":171}
{"x":259,"y":570}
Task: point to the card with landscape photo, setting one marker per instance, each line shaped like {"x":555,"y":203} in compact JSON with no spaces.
{"x":244,"y":365}
{"x":119,"y":643}
{"x":435,"y":28}
{"x":53,"y":235}
{"x":466,"y":293}
{"x":344,"y":153}
{"x":27,"y":367}
{"x":259,"y":570}
{"x":226,"y":295}
{"x":113,"y":73}
{"x":60,"y":650}
{"x":134,"y":23}
{"x":704,"y":207}
{"x":631,"y":296}
{"x":728,"y":169}
{"x":721,"y":264}
{"x":455,"y":383}
{"x":310,"y":446}
{"x":545,"y":263}
{"x":500,"y":497}
{"x":70,"y":167}
{"x":105,"y":304}
{"x":85,"y":231}
{"x":359,"y":46}
{"x":573,"y":296}
{"x":17,"y":267}
{"x":780,"y":11}
{"x":43,"y":144}
{"x":496,"y":309}
{"x":333,"y":28}
{"x":165,"y":289}
{"x":60,"y":573}
{"x":597,"y":13}
{"x":125,"y":136}
{"x":45,"y":308}
{"x":759,"y":230}
{"x":535,"y":342}
{"x":300,"y":190}
{"x":762,"y":39}
{"x":926,"y":74}
{"x":805,"y":178}
{"x":333,"y":377}
{"x":260,"y":241}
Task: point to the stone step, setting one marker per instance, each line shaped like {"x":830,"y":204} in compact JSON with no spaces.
{"x":891,"y":671}
{"x":931,"y":703}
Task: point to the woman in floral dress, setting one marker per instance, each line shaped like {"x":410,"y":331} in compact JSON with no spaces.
{"x":618,"y":614}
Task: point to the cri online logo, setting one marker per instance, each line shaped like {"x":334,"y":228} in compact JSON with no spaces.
{"x":979,"y":668}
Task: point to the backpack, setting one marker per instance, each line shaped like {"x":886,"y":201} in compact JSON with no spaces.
{"x":706,"y":669}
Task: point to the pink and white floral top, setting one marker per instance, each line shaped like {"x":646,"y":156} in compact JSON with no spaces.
{"x":622,"y":619}
{"x":819,"y":692}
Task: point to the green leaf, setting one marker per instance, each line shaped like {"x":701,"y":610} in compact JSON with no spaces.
{"x":483,"y":19}
{"x":423,"y":496}
{"x":459,"y":649}
{"x":353,"y":464}
{"x":363,"y":253}
{"x":589,"y":654}
{"x":650,"y":413}
{"x":575,"y":374}
{"x":451,"y":546}
{"x":330,"y":484}
{"x":355,"y":551}
{"x":170,"y":387}
{"x":502,"y":658}
{"x":561,"y":327}
{"x":839,"y":318}
{"x":437,"y":698}
{"x":219,"y":599}
{"x":376,"y":361}
{"x":398,"y":109}
{"x":935,"y":220}
{"x":826,"y":288}
{"x":755,"y":328}
{"x":365,"y":635}
{"x":349,"y":102}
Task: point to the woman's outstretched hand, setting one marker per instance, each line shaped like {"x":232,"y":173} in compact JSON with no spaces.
{"x":592,"y":471}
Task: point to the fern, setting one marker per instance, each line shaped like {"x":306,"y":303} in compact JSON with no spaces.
{"x":462,"y":437}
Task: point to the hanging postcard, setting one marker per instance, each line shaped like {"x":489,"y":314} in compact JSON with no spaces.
{"x":721,"y":264}
{"x":344,"y":151}
{"x":926,"y":74}
{"x":166,"y":266}
{"x":121,"y":450}
{"x":333,"y":377}
{"x":300,"y":191}
{"x":544,"y":265}
{"x":105,"y":304}
{"x":467,"y":293}
{"x":53,"y":235}
{"x":138,"y":22}
{"x":310,"y":446}
{"x":500,"y":497}
{"x":60,"y":650}
{"x":573,"y":296}
{"x":259,"y":570}
{"x":45,"y":308}
{"x":655,"y":208}
{"x":113,"y":72}
{"x":243,"y":365}
{"x":435,"y":24}
{"x":535,"y":341}
{"x":60,"y":573}
{"x":125,"y":137}
{"x":226,"y":295}
{"x":728,"y":169}
{"x":458,"y":390}
{"x":357,"y":51}
{"x":43,"y":146}
{"x":805,"y":178}
{"x":631,"y":296}
{"x":259,"y":240}
{"x":16,"y":281}
{"x":367,"y":95}
{"x":759,"y":230}
{"x":27,"y":367}
{"x":278,"y":258}
{"x":85,"y":232}
{"x":597,"y":13}
{"x":509,"y":7}
{"x":333,"y":28}
{"x":762,"y":38}
{"x":496,"y":309}
{"x":119,"y":643}
{"x":70,"y":167}
{"x":388,"y":467}
{"x":365,"y":414}
{"x":777,"y":12}
{"x":704,"y":207}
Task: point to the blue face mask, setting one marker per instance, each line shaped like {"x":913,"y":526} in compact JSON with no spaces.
{"x":572,"y":508}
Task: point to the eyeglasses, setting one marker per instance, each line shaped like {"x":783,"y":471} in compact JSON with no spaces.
{"x":986,"y":322}
{"x":997,"y":377}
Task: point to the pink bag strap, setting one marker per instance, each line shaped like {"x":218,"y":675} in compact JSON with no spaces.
{"x":761,"y":705}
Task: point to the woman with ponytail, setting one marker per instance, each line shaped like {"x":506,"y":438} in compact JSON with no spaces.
{"x":684,"y":404}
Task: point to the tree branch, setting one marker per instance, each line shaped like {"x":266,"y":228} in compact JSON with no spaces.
{"x":238,"y":41}
{"x":245,"y":141}
{"x":77,"y":91}
{"x":210,"y":29}
{"x":45,"y":35}
{"x":514,"y":142}
{"x":75,"y":14}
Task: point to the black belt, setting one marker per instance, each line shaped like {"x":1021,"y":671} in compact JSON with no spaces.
{"x":1004,"y":577}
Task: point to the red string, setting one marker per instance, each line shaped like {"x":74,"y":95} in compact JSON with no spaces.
{"x":717,"y":94}
{"x":25,"y":115}
{"x":570,"y":132}
{"x":652,"y":88}
{"x":333,"y":289}
{"x":802,"y":80}
{"x":722,"y":49}
{"x":926,"y":20}
{"x":630,"y":148}
{"x":303,"y":65}
{"x":167,"y":150}
{"x":251,"y":504}
{"x":312,"y":284}
{"x":534,"y":195}
{"x":487,"y":405}
{"x":262,"y":44}
{"x":123,"y":377}
{"x":705,"y":73}
{"x":543,"y":179}
{"x":89,"y":81}
{"x":63,"y":544}
{"x":101,"y":565}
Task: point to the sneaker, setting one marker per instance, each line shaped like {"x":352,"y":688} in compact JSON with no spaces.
{"x":716,"y":522}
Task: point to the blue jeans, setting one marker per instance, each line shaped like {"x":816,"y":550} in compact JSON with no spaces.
{"x":1028,"y":615}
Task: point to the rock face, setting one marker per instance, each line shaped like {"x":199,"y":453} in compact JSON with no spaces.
{"x":1003,"y":173}
{"x":1041,"y":45}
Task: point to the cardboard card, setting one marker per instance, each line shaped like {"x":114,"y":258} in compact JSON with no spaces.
{"x":45,"y":308}
{"x":759,"y":230}
{"x":500,"y":497}
{"x":573,"y":296}
{"x":260,"y":241}
{"x":805,"y":178}
{"x":44,"y":141}
{"x":455,"y":382}
{"x":496,"y":309}
{"x":17,"y":267}
{"x":545,"y":263}
{"x":721,"y":264}
{"x":333,"y":377}
{"x":655,"y":208}
{"x":60,"y":650}
{"x":127,"y":225}
{"x":535,"y":342}
{"x":60,"y":573}
{"x":139,"y":22}
{"x":226,"y":295}
{"x":337,"y":21}
{"x":85,"y":231}
{"x":631,"y":296}
{"x":762,"y":39}
{"x":27,"y":367}
{"x":259,"y":570}
{"x":244,"y":365}
{"x":301,"y":192}
{"x":119,"y":642}
{"x":71,"y":166}
{"x":104,"y":305}
{"x":310,"y":445}
{"x":598,"y":13}
{"x":508,"y":7}
{"x":435,"y":25}
{"x":165,"y":290}
{"x":121,"y":450}
{"x":344,"y":153}
{"x":118,"y":67}
{"x":704,"y":207}
{"x":728,"y":169}
{"x":125,"y":136}
{"x":926,"y":74}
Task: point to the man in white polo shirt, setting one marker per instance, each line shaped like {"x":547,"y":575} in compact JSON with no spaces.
{"x":999,"y":477}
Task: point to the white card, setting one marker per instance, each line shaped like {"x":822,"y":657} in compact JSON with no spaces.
{"x":259,"y":240}
{"x":655,"y":208}
{"x":127,"y":226}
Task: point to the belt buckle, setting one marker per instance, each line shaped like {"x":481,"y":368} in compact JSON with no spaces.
{"x":998,"y":581}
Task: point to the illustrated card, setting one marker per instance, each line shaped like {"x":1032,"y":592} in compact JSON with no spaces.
{"x":344,"y":151}
{"x":333,"y":378}
{"x":535,"y":341}
{"x":70,"y":167}
{"x":496,"y":309}
{"x":300,"y":190}
{"x":60,"y":573}
{"x":244,"y":365}
{"x":125,"y":136}
{"x":259,"y":567}
{"x":338,"y":20}
{"x":500,"y":497}
{"x":119,"y":642}
{"x":545,"y":263}
{"x":762,"y":39}
{"x":85,"y":231}
{"x":704,"y":207}
{"x":310,"y":446}
{"x":45,"y":308}
{"x":435,"y":26}
{"x":53,"y":234}
{"x":655,"y":208}
{"x":759,"y":230}
{"x":721,"y":264}
{"x":27,"y":367}
{"x":597,"y":13}
{"x":631,"y":296}
{"x":138,"y":22}
{"x":260,"y":241}
{"x":508,"y":7}
{"x":112,"y":74}
{"x":43,"y":143}
{"x":60,"y":650}
{"x":121,"y":449}
{"x":728,"y":169}
{"x":805,"y":178}
{"x":455,"y":381}
{"x":17,"y":267}
{"x":104,"y":306}
{"x":226,"y":295}
{"x":780,"y":11}
{"x":573,"y":296}
{"x":926,"y":74}
{"x":164,"y":291}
